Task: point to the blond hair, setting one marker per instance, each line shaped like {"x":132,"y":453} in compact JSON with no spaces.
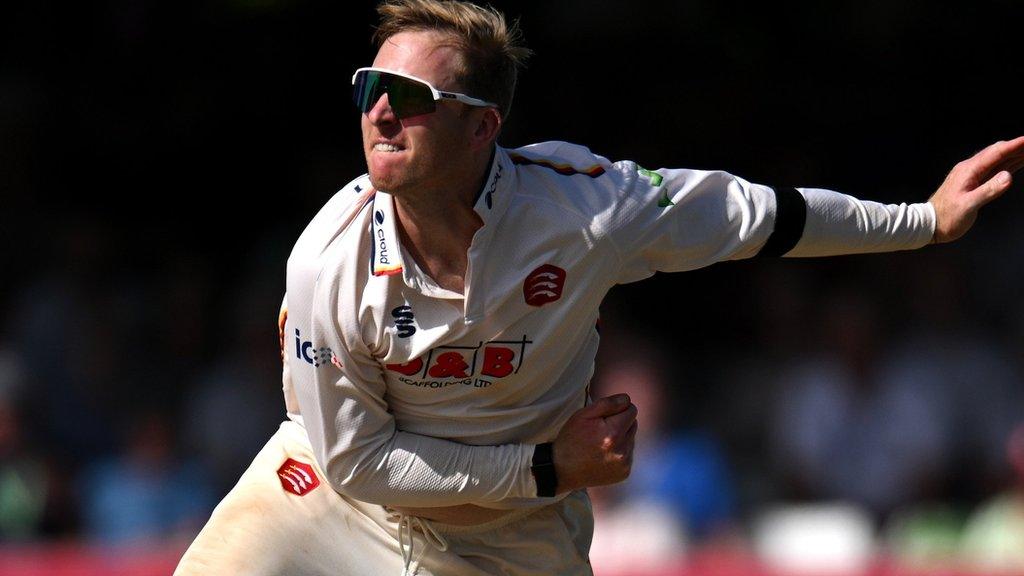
{"x":491,"y":49}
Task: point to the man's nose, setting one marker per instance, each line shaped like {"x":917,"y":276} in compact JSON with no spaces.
{"x":381,"y":113}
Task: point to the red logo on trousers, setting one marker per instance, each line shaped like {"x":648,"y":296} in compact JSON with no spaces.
{"x":297,"y":477}
{"x":544,"y":285}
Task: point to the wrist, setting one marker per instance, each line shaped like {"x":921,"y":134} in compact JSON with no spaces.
{"x":543,"y":469}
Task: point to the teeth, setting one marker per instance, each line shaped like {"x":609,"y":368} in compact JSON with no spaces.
{"x":383,"y":147}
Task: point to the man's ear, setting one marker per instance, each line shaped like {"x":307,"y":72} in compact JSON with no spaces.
{"x":486,"y":127}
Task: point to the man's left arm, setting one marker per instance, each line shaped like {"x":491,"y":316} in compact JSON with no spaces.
{"x":675,"y":220}
{"x":840,"y":224}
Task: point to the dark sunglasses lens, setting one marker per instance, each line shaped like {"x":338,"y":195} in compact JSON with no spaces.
{"x":367,"y":90}
{"x":406,"y":97}
{"x":409,"y":98}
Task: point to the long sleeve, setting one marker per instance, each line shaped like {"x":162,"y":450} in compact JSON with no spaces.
{"x":841,"y":224}
{"x":676,"y":220}
{"x":365,"y":457}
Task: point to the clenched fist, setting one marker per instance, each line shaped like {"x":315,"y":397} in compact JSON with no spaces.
{"x":595,"y":446}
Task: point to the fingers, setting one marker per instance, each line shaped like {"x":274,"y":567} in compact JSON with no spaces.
{"x":629,"y":446}
{"x":994,"y":188}
{"x":996,"y":155}
{"x":1013,"y":164}
{"x":621,"y":422}
{"x":1010,"y":164}
{"x":631,"y":434}
{"x":595,"y":446}
{"x":607,"y":406}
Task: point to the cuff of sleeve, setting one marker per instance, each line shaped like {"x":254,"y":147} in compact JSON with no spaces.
{"x":931,"y":220}
{"x":527,"y":483}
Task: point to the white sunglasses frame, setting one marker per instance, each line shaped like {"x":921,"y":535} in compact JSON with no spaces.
{"x":437,"y":94}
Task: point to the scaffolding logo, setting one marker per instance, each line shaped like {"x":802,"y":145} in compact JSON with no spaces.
{"x":297,"y":477}
{"x":478,"y":366}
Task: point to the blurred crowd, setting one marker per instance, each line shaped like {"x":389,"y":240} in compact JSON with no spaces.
{"x":158,"y":160}
{"x":129,"y":406}
{"x":843,"y":422}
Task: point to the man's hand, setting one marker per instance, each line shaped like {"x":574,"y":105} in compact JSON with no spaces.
{"x":595,"y":446}
{"x":972,"y":184}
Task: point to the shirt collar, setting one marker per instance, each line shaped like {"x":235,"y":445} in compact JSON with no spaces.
{"x":386,"y":251}
{"x":494,"y":197}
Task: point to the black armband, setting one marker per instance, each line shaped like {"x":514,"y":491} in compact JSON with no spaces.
{"x":790,"y":217}
{"x":543,"y":468}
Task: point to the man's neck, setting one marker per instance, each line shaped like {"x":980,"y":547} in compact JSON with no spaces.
{"x":438,"y":226}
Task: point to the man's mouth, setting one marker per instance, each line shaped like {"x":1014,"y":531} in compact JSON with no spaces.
{"x":385,"y":147}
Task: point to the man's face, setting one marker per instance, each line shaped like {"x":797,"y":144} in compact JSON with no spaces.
{"x":420,"y":152}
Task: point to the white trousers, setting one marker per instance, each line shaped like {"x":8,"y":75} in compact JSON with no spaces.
{"x":262,"y":529}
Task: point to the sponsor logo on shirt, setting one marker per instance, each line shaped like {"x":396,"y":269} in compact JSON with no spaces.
{"x":656,"y":181}
{"x":655,"y":178}
{"x":404,"y":321}
{"x":307,"y":352}
{"x":382,"y":244}
{"x":297,"y":477}
{"x":385,"y":257}
{"x":478,"y":366}
{"x":544,"y":285}
{"x":489,"y":195}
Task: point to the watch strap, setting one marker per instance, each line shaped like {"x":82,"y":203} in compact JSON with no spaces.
{"x":543,"y":468}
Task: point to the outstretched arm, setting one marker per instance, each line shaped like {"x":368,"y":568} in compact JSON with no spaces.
{"x":674,"y":220}
{"x":972,"y":184}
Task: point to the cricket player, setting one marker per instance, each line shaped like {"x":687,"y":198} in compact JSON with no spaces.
{"x":439,"y":325}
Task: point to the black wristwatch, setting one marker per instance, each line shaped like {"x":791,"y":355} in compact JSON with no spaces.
{"x":543,"y":468}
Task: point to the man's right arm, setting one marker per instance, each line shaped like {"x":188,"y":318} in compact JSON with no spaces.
{"x":357,"y":444}
{"x":365,"y":456}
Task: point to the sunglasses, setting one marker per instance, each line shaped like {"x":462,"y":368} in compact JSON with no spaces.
{"x":407,"y":95}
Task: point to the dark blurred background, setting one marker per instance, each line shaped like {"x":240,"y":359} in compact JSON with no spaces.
{"x":158,"y":160}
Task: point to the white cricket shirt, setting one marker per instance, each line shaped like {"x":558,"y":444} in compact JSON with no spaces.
{"x":413,"y":395}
